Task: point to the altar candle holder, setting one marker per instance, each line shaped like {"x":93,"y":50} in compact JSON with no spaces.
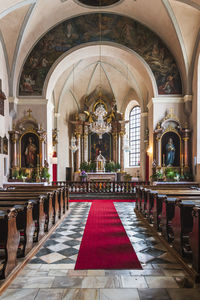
{"x":163,"y":160}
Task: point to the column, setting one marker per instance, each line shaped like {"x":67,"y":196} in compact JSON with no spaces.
{"x":144,"y":142}
{"x":14,"y":160}
{"x":185,"y":163}
{"x":160,"y":159}
{"x":122,"y":150}
{"x":115,"y":148}
{"x":78,"y":152}
{"x":85,"y":144}
{"x":14,"y":152}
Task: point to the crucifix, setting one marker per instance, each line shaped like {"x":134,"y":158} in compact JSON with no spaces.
{"x":29,"y":111}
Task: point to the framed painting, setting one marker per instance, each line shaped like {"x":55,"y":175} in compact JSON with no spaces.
{"x":96,"y":145}
{"x":5,"y":145}
{"x":171,"y":149}
{"x":30,"y":150}
{"x":1,"y":145}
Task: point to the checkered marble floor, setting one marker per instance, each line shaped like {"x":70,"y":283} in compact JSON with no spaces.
{"x":51,"y":275}
{"x":63,"y":245}
{"x":148,"y":247}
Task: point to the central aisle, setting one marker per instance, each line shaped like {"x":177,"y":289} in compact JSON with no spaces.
{"x":105,"y":244}
{"x":51,"y":275}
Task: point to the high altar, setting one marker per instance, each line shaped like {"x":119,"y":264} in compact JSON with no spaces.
{"x":89,"y":145}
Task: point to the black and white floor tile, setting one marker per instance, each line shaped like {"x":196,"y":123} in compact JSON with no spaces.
{"x":51,"y":275}
{"x":63,"y":245}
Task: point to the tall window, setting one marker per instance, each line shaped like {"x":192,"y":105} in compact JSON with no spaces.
{"x":134,"y":136}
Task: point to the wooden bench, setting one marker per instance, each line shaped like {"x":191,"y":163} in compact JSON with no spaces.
{"x":182,"y":225}
{"x":160,"y":196}
{"x":48,"y":205}
{"x":63,"y":198}
{"x":194,"y":238}
{"x":25,"y":223}
{"x":9,"y":241}
{"x":58,"y":200}
{"x":142,"y":199}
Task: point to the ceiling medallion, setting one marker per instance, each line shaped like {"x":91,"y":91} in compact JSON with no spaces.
{"x":99,"y":3}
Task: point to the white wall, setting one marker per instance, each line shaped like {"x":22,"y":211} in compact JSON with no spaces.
{"x":4,"y":120}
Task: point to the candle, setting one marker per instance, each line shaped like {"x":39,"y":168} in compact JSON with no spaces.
{"x":163,"y":159}
{"x":181,"y":159}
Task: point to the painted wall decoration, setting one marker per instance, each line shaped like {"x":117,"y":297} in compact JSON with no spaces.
{"x":98,"y":2}
{"x":85,"y":28}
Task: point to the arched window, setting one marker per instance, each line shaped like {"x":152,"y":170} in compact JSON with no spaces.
{"x":134,"y":136}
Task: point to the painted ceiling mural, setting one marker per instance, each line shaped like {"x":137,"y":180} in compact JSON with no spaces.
{"x":85,"y":28}
{"x":99,"y":2}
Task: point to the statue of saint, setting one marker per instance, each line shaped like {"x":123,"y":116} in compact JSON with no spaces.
{"x":31,"y":154}
{"x":170,"y":152}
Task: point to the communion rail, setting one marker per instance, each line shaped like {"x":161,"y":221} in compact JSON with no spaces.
{"x":117,"y":187}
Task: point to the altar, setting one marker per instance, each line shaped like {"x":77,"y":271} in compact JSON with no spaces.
{"x":102,"y":176}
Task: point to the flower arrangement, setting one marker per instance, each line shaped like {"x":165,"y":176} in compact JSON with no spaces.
{"x":83,"y":173}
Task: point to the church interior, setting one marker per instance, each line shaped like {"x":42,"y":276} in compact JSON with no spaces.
{"x":100,"y":149}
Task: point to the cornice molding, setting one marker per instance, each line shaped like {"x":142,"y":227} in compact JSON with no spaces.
{"x":165,"y":99}
{"x":23,"y":101}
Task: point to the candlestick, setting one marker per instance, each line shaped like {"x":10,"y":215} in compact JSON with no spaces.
{"x":182,"y":162}
{"x":163,"y":159}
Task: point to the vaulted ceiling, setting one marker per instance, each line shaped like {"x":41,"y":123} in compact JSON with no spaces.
{"x":23,"y":23}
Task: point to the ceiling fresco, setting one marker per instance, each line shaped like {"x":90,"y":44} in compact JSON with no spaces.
{"x":98,"y":3}
{"x":85,"y":28}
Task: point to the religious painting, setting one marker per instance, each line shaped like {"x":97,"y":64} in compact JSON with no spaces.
{"x":85,"y":29}
{"x":1,"y":145}
{"x":96,"y":145}
{"x":29,"y":150}
{"x":2,"y":99}
{"x":5,"y":145}
{"x":170,"y":149}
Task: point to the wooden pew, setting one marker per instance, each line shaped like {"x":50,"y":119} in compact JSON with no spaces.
{"x":25,"y":223}
{"x":38,"y":211}
{"x":160,"y":196}
{"x":9,"y":241}
{"x":194,"y":238}
{"x":168,"y":210}
{"x":182,"y":225}
{"x":144,"y":204}
{"x":58,"y":202}
{"x":48,"y":205}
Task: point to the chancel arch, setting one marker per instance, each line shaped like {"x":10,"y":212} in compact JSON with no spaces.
{"x":80,"y":79}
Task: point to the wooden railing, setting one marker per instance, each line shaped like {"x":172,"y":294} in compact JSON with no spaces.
{"x":118,"y":187}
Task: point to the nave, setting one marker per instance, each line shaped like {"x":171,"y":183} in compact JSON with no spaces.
{"x":50,"y":273}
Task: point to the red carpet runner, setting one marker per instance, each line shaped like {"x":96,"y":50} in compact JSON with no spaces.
{"x":105,"y":244}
